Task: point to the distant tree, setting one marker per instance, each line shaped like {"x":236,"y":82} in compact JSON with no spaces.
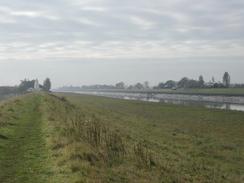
{"x":139,"y":86}
{"x":146,"y":85}
{"x":47,"y":85}
{"x":170,"y":84}
{"x":226,"y":79}
{"x":218,"y":85}
{"x":25,"y":85}
{"x":131,"y":87}
{"x":188,"y":83}
{"x":192,"y":84}
{"x":183,"y":83}
{"x":120,"y":85}
{"x":160,"y":85}
{"x":201,"y":81}
{"x":213,"y":80}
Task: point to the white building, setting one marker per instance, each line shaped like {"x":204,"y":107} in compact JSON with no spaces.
{"x":36,"y":85}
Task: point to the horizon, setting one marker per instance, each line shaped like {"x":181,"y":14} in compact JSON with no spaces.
{"x":146,"y":71}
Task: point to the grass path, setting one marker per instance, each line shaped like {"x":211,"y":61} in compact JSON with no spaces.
{"x":23,"y":154}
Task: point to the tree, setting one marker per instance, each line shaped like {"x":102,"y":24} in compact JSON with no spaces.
{"x":183,"y":83}
{"x":201,"y":81}
{"x":160,"y":85}
{"x":192,"y":84}
{"x":146,"y":85}
{"x":139,"y":86}
{"x":188,"y":83}
{"x":47,"y":85}
{"x":170,"y":84}
{"x":25,"y":85}
{"x":120,"y":85}
{"x":226,"y":79}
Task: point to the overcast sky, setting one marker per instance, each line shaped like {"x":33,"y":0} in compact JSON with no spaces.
{"x":79,"y":42}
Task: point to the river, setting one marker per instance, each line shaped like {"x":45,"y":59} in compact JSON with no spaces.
{"x":218,"y":102}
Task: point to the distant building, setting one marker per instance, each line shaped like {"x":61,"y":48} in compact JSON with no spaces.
{"x":36,"y":85}
{"x":209,"y":84}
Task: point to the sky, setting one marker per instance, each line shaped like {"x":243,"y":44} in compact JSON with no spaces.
{"x":81,"y":42}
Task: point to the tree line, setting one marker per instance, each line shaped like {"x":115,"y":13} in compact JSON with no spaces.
{"x":185,"y":82}
{"x":200,"y":83}
{"x":24,"y":86}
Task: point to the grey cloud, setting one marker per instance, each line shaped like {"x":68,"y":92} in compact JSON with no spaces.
{"x":166,"y":24}
{"x":130,"y":40}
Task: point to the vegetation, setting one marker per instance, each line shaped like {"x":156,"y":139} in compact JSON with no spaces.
{"x":78,"y":138}
{"x":226,"y":80}
{"x":24,"y":86}
{"x":47,"y":85}
{"x":23,"y":154}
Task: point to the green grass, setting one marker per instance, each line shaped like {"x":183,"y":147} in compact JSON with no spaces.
{"x":190,"y":144}
{"x":23,"y":154}
{"x":79,"y":138}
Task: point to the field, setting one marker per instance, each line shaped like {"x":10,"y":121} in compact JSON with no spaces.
{"x":80,"y":138}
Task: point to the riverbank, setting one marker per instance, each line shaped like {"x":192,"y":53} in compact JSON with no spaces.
{"x":80,"y":138}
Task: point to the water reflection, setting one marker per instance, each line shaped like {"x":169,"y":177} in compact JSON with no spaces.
{"x":211,"y":105}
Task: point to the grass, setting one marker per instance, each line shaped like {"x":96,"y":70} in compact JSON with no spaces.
{"x":23,"y":156}
{"x":81,"y":138}
{"x":188,"y":144}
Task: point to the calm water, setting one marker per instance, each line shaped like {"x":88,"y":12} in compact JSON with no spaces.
{"x":216,"y":102}
{"x":236,"y":107}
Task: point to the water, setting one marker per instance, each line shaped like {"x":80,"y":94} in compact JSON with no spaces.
{"x":214,"y":102}
{"x":213,"y":105}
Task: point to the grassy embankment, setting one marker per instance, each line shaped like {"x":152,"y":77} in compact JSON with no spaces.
{"x":94,"y":139}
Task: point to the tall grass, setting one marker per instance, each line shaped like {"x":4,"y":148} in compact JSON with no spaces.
{"x":7,"y":109}
{"x":110,"y":144}
{"x":144,"y":155}
{"x":86,"y":138}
